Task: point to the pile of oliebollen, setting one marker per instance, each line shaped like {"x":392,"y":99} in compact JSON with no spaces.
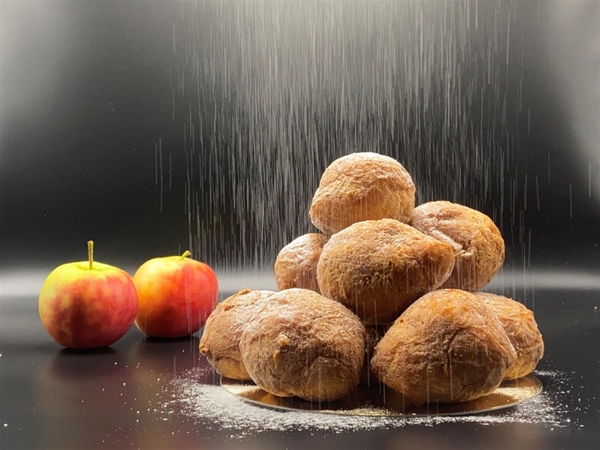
{"x":385,"y":291}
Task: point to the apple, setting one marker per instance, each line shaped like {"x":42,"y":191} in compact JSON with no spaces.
{"x":87,"y":304}
{"x":176,"y":296}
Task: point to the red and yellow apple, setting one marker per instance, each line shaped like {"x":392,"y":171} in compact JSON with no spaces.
{"x":87,"y":304}
{"x":176,"y":296}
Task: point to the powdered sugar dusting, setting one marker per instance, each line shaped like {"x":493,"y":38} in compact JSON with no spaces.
{"x":218,"y":409}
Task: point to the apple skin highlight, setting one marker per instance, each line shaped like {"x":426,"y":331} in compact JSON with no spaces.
{"x":176,"y":296}
{"x":85,"y":308}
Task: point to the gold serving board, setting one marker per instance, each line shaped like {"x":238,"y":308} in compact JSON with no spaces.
{"x":378,"y":400}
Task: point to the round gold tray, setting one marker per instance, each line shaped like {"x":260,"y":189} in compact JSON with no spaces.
{"x":378,"y":400}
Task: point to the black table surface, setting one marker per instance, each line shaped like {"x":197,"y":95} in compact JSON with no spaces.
{"x":54,"y":398}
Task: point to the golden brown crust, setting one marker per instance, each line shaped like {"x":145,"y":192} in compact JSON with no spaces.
{"x":477,"y":242}
{"x":448,"y":346}
{"x":296,"y":263}
{"x":377,"y":268}
{"x":223,"y":329}
{"x":304,"y":345}
{"x":522,"y":330}
{"x":362,"y":186}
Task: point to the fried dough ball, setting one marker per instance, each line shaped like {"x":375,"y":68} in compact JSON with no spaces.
{"x":522,"y":330}
{"x":477,"y":242}
{"x":296,"y":263}
{"x":448,"y":346}
{"x":223,"y":329}
{"x":362,"y":186}
{"x":377,"y":268}
{"x":304,"y":345}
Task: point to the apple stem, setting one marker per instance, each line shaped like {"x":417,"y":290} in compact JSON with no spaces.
{"x":90,"y":245}
{"x":186,"y":254}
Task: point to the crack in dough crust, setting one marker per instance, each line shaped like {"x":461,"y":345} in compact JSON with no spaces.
{"x":477,"y":243}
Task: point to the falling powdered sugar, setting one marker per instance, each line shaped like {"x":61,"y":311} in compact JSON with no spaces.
{"x":219,"y":409}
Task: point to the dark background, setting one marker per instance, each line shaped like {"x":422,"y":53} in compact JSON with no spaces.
{"x":152,"y":127}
